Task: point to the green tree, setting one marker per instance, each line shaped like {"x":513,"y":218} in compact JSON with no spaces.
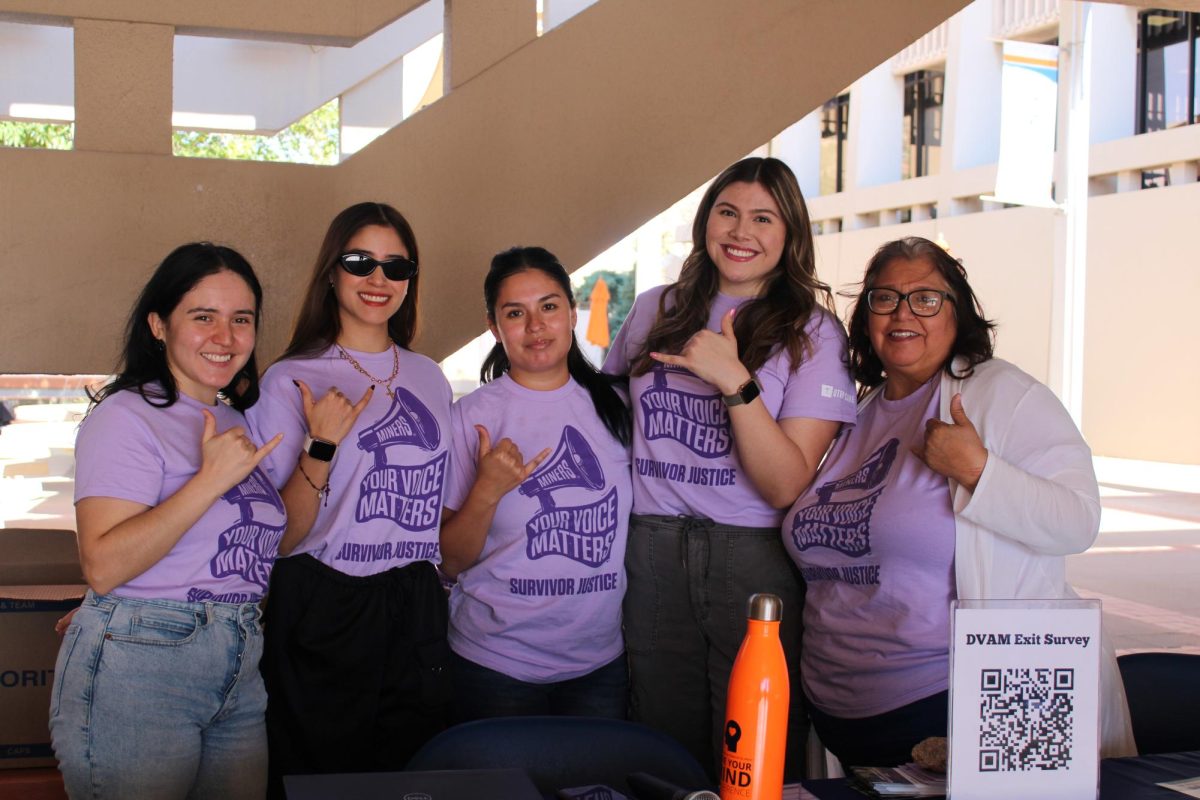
{"x":49,"y":136}
{"x":311,"y":140}
{"x":620,"y":290}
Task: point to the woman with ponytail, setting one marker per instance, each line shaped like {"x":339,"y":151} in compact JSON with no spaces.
{"x":535,"y":617}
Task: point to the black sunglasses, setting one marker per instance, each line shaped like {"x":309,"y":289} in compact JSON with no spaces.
{"x":394,"y":269}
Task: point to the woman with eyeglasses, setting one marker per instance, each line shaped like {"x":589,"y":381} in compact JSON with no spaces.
{"x":537,"y":545}
{"x":157,"y":691}
{"x":356,"y":624}
{"x":964,"y":478}
{"x":739,"y":383}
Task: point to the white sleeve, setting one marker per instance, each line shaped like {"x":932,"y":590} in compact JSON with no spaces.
{"x":1038,"y":487}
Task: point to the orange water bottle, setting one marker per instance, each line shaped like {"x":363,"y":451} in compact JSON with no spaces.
{"x":757,"y":709}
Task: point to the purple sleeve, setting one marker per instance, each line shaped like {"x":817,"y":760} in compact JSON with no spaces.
{"x":463,"y":447}
{"x":273,"y":414}
{"x":116,"y":455}
{"x":632,"y":333}
{"x":617,"y":360}
{"x":821,"y":387}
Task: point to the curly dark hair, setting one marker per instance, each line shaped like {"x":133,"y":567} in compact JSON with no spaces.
{"x":975,"y":337}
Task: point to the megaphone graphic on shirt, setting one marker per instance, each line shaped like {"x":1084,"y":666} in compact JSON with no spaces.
{"x":254,"y":488}
{"x":408,"y":422}
{"x":867,"y":476}
{"x":573,"y":464}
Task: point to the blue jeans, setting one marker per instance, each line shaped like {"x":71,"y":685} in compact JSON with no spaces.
{"x":480,"y":692}
{"x":684,"y":618}
{"x":160,"y":699}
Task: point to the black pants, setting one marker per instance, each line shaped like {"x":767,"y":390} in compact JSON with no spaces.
{"x":884,"y":740}
{"x":355,"y":667}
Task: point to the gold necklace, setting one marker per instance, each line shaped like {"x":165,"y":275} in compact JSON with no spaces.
{"x":386,"y":383}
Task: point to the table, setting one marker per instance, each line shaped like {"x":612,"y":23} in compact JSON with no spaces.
{"x":1120,"y":778}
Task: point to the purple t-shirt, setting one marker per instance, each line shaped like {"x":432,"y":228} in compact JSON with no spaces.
{"x":131,"y":450}
{"x":684,"y":459}
{"x":543,"y":603}
{"x":874,"y":539}
{"x":386,"y":480}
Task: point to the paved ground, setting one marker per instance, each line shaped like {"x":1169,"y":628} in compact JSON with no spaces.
{"x":1145,"y":565}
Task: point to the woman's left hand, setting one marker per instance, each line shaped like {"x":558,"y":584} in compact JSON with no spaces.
{"x":60,"y":627}
{"x":712,"y":357}
{"x":954,"y":449}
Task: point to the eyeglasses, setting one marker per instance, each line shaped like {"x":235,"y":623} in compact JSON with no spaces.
{"x":922,"y":302}
{"x":394,"y":269}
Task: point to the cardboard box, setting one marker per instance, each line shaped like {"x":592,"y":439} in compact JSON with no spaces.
{"x":40,"y":580}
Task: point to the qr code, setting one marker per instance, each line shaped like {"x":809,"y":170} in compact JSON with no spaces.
{"x":1026,"y":719}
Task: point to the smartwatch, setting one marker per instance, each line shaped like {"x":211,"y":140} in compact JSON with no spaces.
{"x":319,"y":449}
{"x":745,"y":394}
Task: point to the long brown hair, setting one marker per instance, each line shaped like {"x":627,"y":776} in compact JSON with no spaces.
{"x":319,"y":324}
{"x":790,"y":295}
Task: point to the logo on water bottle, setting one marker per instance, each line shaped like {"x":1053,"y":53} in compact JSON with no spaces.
{"x":733,"y":732}
{"x":735,"y":772}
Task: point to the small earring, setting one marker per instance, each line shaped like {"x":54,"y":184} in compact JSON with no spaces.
{"x":160,"y":344}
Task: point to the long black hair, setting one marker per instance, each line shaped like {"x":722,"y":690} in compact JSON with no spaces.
{"x":143,"y":358}
{"x":608,"y":403}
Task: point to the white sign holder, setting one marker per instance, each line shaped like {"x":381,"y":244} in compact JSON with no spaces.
{"x":1024,"y":699}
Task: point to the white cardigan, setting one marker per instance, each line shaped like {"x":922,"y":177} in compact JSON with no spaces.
{"x":1036,"y":502}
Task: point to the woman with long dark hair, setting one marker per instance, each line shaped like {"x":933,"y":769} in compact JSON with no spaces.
{"x":738,"y":377}
{"x":535,"y":617}
{"x":157,"y":691}
{"x":356,"y":626}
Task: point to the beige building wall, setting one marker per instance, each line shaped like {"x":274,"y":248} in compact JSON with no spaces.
{"x":1015,"y":290}
{"x":571,"y":142}
{"x":312,"y":21}
{"x":81,"y":232}
{"x":1142,"y":345}
{"x":1141,"y":342}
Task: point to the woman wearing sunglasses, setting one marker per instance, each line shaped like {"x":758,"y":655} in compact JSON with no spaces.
{"x":964,"y":479}
{"x":157,"y":691}
{"x":356,"y":648}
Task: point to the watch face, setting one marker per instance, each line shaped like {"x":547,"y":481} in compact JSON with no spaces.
{"x":745,"y":395}
{"x":321,"y":451}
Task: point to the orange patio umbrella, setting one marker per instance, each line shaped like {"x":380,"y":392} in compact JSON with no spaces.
{"x":597,"y":329}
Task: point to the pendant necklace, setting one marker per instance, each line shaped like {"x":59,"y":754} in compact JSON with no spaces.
{"x":386,"y":383}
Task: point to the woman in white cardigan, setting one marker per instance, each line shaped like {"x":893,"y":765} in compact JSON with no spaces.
{"x":964,"y":478}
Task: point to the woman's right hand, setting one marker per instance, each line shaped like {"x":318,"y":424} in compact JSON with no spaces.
{"x":501,"y":468}
{"x":227,"y":458}
{"x":331,"y":417}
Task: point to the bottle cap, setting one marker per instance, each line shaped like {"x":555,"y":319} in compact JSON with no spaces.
{"x":765,"y":608}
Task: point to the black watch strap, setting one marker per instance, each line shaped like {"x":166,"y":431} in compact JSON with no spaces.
{"x":319,"y":449}
{"x":745,"y":394}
